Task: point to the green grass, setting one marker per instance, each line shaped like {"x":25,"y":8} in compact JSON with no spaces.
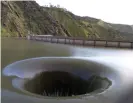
{"x":84,"y":22}
{"x":73,"y":26}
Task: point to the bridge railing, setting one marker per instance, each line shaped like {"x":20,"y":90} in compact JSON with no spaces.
{"x":85,"y":41}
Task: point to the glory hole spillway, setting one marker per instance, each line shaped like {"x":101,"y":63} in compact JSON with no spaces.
{"x":40,"y":72}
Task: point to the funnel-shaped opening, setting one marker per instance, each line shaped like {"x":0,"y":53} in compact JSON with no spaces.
{"x":58,"y":83}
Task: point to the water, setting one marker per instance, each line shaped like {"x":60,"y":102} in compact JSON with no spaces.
{"x":119,"y":60}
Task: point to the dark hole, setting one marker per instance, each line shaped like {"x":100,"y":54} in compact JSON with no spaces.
{"x":58,"y":83}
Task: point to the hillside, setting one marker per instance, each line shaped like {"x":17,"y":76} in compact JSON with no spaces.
{"x":22,"y":17}
{"x":123,"y":28}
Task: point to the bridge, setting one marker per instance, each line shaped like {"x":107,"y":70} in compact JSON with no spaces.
{"x":82,"y":41}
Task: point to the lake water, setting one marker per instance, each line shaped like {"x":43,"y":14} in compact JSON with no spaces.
{"x":119,"y":60}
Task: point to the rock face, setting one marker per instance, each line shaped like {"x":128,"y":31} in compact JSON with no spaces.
{"x":21,"y":17}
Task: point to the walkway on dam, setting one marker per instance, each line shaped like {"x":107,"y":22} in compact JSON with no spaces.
{"x":83,"y":41}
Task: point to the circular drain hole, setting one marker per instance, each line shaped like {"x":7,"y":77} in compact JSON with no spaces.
{"x":60,"y":83}
{"x":61,"y":76}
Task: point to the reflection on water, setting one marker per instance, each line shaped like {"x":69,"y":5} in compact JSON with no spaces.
{"x":13,"y":50}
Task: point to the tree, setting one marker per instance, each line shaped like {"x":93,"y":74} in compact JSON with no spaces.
{"x":50,"y":5}
{"x":58,"y":6}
